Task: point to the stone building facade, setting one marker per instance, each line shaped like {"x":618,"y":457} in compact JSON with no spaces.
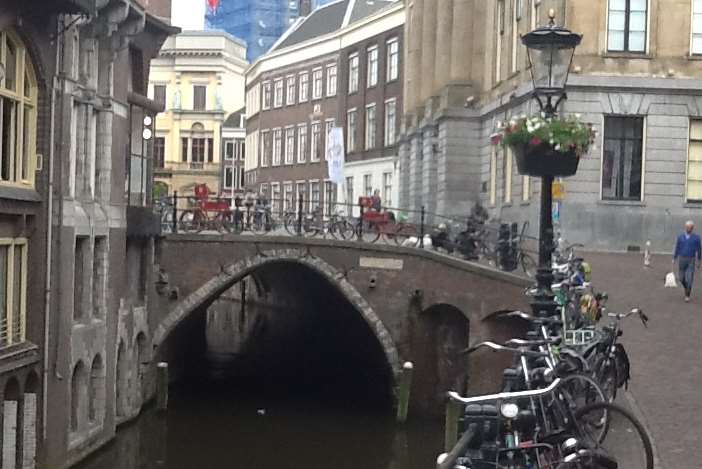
{"x":199,"y":76}
{"x":232,"y":177}
{"x":74,"y":204}
{"x":636,"y":77}
{"x":340,"y":67}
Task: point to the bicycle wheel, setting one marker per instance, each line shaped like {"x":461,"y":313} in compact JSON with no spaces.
{"x":190,"y":221}
{"x":342,"y":229}
{"x":258,"y":224}
{"x":403,"y":233}
{"x":626,"y":441}
{"x":529,"y":265}
{"x":370,"y":234}
{"x":605,"y":373}
{"x":291,"y":224}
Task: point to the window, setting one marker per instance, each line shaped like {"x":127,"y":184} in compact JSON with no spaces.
{"x":18,"y":111}
{"x":228,"y":177}
{"x":13,"y":290}
{"x":277,"y":146}
{"x":368,"y":185}
{"x":301,"y":142}
{"x":507,"y":175}
{"x":242,"y":176}
{"x":387,"y":189}
{"x":314,"y":195}
{"x":390,"y":122}
{"x":372,"y":66}
{"x":275,"y":198}
{"x":316,"y":141}
{"x":304,"y":87}
{"x":184,"y":149}
{"x":317,"y":83}
{"x":694,"y":162}
{"x":99,"y":276}
{"x":526,"y":188}
{"x":393,"y":59}
{"x":290,"y":93}
{"x":290,"y":145}
{"x":622,"y":158}
{"x":351,"y":117}
{"x":265,"y":147}
{"x":493,"y":175}
{"x":228,"y":150}
{"x":288,"y":197}
{"x":159,"y":152}
{"x":349,"y":195}
{"x":198,"y":150}
{"x":80,"y":259}
{"x":370,"y":126}
{"x":696,"y":27}
{"x":210,"y":150}
{"x":498,"y":39}
{"x":627,"y":25}
{"x":278,"y":93}
{"x":329,"y":197}
{"x":329,"y":124}
{"x":199,"y":97}
{"x":301,"y":191}
{"x":516,"y":43}
{"x":160,"y":94}
{"x":239,"y":149}
{"x":266,"y":95}
{"x":331,"y":80}
{"x":353,"y":73}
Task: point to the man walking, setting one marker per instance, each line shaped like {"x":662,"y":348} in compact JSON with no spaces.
{"x":689,"y":250}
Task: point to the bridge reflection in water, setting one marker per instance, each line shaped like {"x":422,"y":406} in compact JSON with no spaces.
{"x":240,"y":412}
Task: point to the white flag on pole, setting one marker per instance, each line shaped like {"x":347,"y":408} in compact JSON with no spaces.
{"x":335,"y":154}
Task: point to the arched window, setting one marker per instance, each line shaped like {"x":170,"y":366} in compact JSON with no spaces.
{"x":78,"y":386}
{"x":121,"y":380}
{"x":18,"y":112}
{"x":96,"y":391}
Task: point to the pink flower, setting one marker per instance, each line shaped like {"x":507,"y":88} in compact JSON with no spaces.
{"x":535,"y":141}
{"x":495,"y":139}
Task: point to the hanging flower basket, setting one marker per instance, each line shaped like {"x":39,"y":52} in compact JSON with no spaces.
{"x":543,"y":160}
{"x":546,"y":146}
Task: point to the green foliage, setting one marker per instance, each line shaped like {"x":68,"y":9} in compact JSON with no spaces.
{"x":563,"y":135}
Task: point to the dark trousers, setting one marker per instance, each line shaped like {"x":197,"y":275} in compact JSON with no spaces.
{"x":686,"y":273}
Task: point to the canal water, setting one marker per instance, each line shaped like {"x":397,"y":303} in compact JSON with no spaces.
{"x":220,"y":418}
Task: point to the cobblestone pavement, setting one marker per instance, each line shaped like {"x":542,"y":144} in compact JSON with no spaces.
{"x":666,"y":364}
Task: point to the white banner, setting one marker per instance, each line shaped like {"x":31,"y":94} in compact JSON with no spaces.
{"x":335,"y":154}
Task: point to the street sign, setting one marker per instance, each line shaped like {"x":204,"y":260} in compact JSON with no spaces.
{"x":558,"y":190}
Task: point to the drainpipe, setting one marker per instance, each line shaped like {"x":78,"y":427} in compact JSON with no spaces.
{"x":49,"y":226}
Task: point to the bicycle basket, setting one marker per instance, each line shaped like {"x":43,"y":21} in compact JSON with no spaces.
{"x":579,"y":337}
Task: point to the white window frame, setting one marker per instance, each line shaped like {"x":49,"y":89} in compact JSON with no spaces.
{"x":516,"y":17}
{"x":493,"y":176}
{"x":507,"y":176}
{"x":315,"y":143}
{"x":328,"y":125}
{"x":644,"y":133}
{"x":11,"y":244}
{"x":266,"y":92}
{"x":354,"y":72}
{"x":332,"y":79}
{"x":275,"y":201}
{"x":368,"y":189}
{"x":627,"y":31}
{"x":695,"y":34}
{"x":387,"y":194}
{"x":288,"y":202}
{"x":231,"y":169}
{"x":278,"y":91}
{"x":388,"y":126}
{"x":368,"y":142}
{"x":310,"y":208}
{"x":499,"y":32}
{"x":264,"y":138}
{"x":290,"y":90}
{"x":303,"y":84}
{"x":392,"y":47}
{"x":317,"y":78}
{"x":277,"y":146}
{"x":302,"y":142}
{"x":351,"y":132}
{"x":372,"y":66}
{"x":289,"y":149}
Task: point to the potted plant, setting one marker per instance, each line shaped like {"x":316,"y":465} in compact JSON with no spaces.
{"x":546,"y":146}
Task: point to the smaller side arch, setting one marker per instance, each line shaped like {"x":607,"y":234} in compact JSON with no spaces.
{"x":121,"y":379}
{"x":96,"y":391}
{"x":78,"y":396}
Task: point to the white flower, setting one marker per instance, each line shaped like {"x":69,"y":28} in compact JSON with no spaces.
{"x":557,"y":147}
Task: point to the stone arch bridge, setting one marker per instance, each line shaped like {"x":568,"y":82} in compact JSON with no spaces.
{"x":419,"y":305}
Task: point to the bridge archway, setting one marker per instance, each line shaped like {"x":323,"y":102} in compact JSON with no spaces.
{"x":234,"y":273}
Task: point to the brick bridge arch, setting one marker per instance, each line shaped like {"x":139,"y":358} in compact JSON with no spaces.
{"x":402,"y":293}
{"x":239,"y":270}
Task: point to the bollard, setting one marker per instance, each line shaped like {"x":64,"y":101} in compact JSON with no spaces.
{"x":403,"y":396}
{"x":300,"y":203}
{"x":453,"y":413}
{"x":162,"y":386}
{"x":421,"y":229}
{"x":175,"y":212}
{"x":647,"y":254}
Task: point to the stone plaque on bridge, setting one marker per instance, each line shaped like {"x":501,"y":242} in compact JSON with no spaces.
{"x":380,"y":263}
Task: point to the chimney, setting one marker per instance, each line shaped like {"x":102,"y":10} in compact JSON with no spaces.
{"x":305,"y":7}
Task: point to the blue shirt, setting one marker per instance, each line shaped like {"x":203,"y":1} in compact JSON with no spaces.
{"x":688,"y":246}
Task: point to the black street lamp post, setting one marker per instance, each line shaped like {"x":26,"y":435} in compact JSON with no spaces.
{"x":550,"y":50}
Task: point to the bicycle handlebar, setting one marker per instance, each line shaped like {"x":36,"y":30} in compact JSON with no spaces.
{"x":502,"y":348}
{"x":637,"y":311}
{"x":505,"y":395}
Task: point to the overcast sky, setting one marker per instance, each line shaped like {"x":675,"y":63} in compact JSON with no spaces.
{"x":188,"y":14}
